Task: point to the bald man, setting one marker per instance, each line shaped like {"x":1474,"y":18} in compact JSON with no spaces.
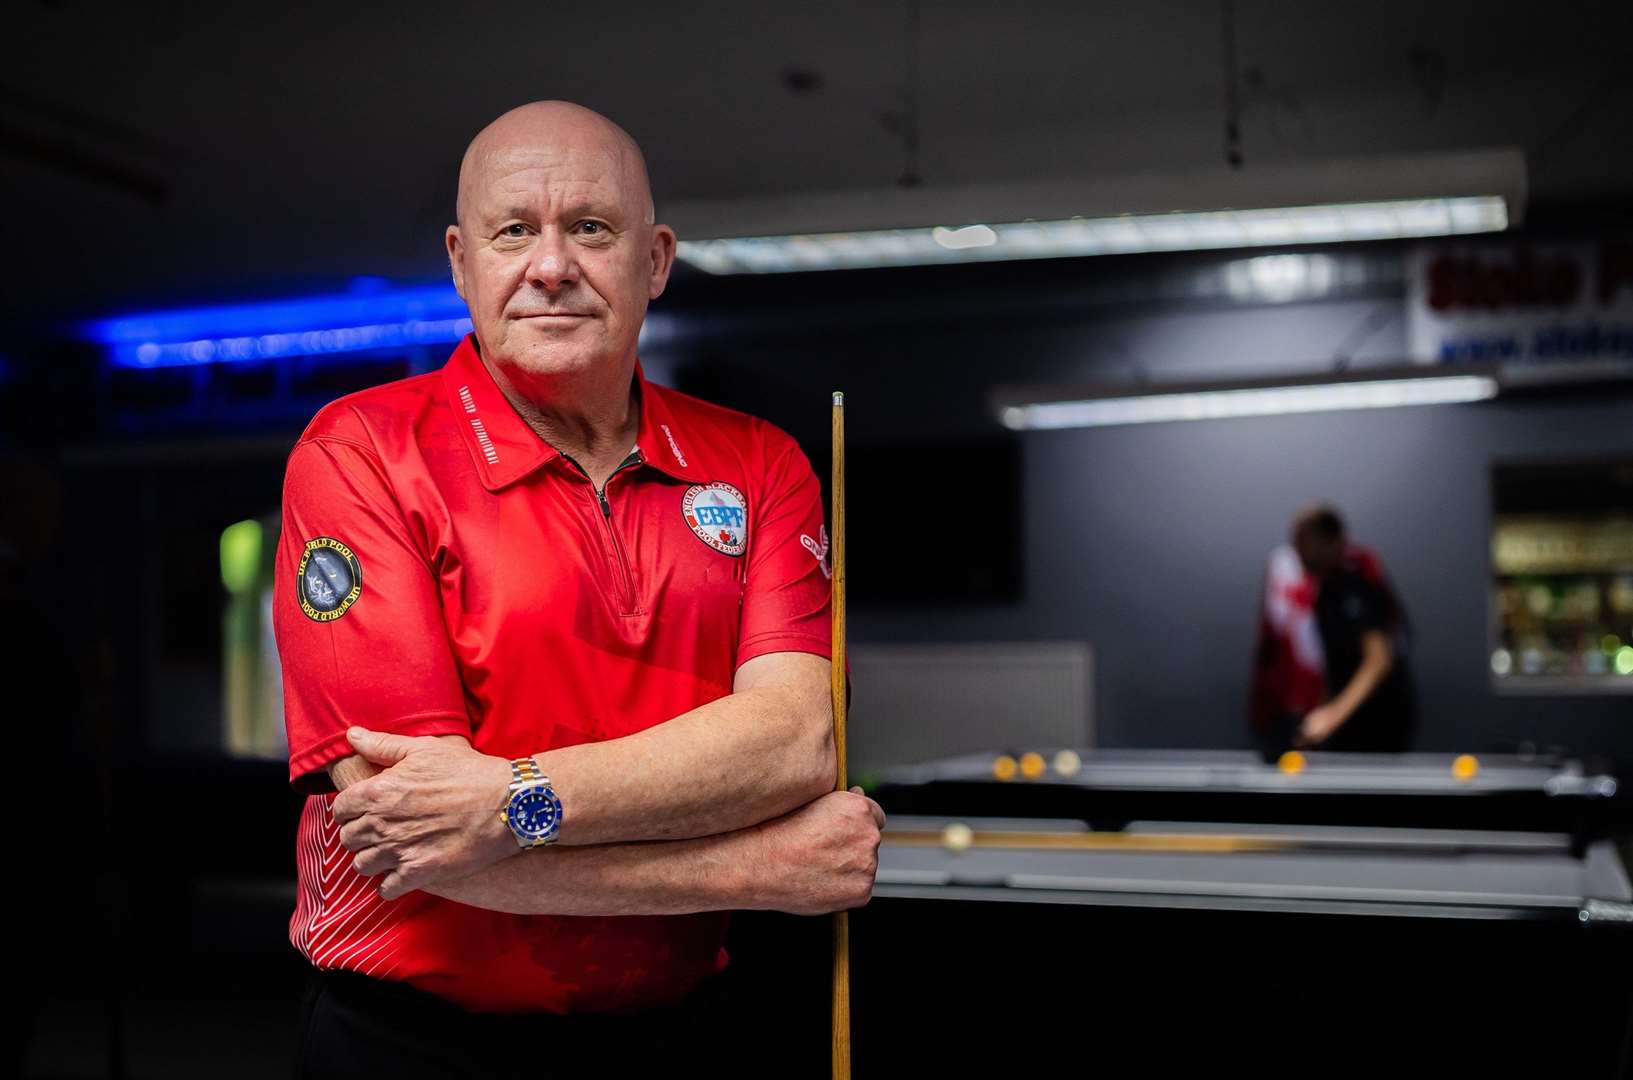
{"x":555,"y":662}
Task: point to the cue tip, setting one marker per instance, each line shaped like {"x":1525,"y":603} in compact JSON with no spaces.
{"x":839,"y":399}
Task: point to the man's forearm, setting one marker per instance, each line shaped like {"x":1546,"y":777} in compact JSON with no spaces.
{"x":820,"y":858}
{"x":1377,"y":660}
{"x":679,"y":877}
{"x":737,"y":761}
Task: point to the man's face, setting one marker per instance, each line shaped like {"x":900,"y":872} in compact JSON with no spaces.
{"x":555,"y":256}
{"x":1319,"y":554}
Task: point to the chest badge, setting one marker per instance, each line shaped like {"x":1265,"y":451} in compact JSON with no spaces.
{"x":718,"y":514}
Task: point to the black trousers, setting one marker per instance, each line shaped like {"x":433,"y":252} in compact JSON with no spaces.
{"x":355,"y":1026}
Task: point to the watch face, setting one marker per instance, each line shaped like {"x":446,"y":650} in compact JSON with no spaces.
{"x":534,"y":812}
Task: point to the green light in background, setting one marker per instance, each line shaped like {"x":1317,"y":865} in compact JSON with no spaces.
{"x":1610,"y":643}
{"x":1624,"y":660}
{"x":241,"y":556}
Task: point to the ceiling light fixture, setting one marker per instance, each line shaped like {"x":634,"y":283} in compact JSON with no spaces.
{"x":1129,"y":234}
{"x":1379,"y":197}
{"x":1043,"y":410}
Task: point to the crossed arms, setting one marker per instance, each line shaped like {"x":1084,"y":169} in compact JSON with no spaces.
{"x":726,"y":806}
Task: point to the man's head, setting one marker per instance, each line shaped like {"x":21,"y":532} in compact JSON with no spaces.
{"x":555,"y":248}
{"x":1318,"y":536}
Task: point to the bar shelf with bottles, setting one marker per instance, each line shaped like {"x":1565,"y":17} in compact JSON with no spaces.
{"x":1563,"y":602}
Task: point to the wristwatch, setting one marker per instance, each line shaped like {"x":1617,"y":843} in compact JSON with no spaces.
{"x":532,"y":810}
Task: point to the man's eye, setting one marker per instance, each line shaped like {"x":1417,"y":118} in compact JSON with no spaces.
{"x":514,"y":230}
{"x":591,"y":228}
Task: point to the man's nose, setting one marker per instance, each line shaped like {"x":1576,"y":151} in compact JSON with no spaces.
{"x":553,"y":264}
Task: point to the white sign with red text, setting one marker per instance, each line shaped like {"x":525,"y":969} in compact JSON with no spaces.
{"x":1521,"y":303}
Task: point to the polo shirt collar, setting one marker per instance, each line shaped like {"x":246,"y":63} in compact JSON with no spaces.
{"x":663,"y":443}
{"x":504,"y":449}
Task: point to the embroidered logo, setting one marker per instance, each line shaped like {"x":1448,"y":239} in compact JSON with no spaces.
{"x":329,"y":579}
{"x":819,"y":550}
{"x":718,"y":514}
{"x":674,"y":447}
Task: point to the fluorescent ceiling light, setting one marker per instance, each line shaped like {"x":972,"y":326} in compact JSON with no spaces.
{"x":1123,"y":235}
{"x":1291,"y":201}
{"x":970,"y":236}
{"x":1277,"y":279}
{"x":1228,"y":402}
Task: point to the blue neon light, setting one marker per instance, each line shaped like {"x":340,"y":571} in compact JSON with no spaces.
{"x":375,"y":318}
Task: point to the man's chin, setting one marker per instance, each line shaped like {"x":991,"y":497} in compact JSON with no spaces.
{"x":551,"y":355}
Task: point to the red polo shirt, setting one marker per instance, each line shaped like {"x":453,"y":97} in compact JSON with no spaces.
{"x":443,"y":570}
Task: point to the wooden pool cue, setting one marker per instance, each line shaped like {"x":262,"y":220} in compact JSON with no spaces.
{"x":842,"y":925}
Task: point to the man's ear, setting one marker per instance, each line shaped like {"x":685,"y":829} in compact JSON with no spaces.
{"x":663,"y":260}
{"x":456,"y":251}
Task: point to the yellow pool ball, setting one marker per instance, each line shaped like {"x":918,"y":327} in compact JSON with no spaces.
{"x":1292,"y":763}
{"x":1032,"y":765}
{"x":1465,"y":766}
{"x":1003,"y":767}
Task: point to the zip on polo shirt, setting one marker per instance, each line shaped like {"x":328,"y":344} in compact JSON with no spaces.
{"x":629,"y":602}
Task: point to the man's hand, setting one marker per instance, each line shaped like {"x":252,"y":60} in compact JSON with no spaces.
{"x":1319,"y":724}
{"x":823,"y":856}
{"x":432,"y":815}
{"x":1377,"y":660}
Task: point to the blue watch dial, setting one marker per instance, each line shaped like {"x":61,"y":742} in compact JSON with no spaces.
{"x":534,"y":812}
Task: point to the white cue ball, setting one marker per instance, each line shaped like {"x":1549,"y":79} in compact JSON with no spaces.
{"x":1067,"y":763}
{"x":957,"y":838}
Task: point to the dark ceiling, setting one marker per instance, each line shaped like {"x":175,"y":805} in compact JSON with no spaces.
{"x":164,"y":152}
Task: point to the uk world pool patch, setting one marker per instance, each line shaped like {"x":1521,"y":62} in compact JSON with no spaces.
{"x":329,"y":579}
{"x":718,"y":514}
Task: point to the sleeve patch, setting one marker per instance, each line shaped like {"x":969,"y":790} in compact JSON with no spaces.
{"x":329,"y":579}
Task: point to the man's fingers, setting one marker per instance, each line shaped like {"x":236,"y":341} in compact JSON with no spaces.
{"x":380,"y":747}
{"x":359,"y":834}
{"x":392,"y":885}
{"x":375,"y":860}
{"x":349,"y":803}
{"x":359,"y":798}
{"x":878,"y":811}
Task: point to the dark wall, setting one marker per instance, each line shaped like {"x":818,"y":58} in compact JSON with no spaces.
{"x":1150,"y":542}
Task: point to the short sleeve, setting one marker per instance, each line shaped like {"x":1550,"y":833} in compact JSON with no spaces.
{"x":785,"y":599}
{"x":361,"y":639}
{"x":1363,"y":606}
